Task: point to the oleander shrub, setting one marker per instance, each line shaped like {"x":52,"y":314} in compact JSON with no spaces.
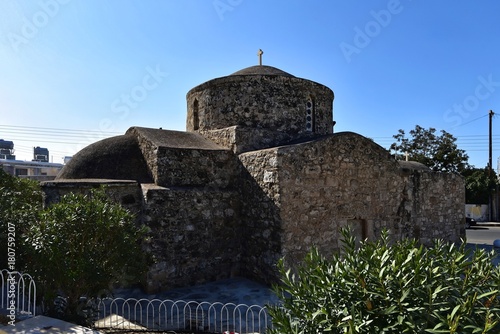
{"x":80,"y":247}
{"x":384,"y":287}
{"x":75,"y":249}
{"x":20,"y":202}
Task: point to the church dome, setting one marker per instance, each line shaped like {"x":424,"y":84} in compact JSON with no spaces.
{"x":115,"y":158}
{"x":259,"y":106}
{"x":262,"y":70}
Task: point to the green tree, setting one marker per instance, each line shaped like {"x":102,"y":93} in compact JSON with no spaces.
{"x":441,"y":153}
{"x":438,"y":152}
{"x":479,"y":185}
{"x":81,"y":246}
{"x":76,"y":248}
{"x":20,"y":201}
{"x":390,"y":287}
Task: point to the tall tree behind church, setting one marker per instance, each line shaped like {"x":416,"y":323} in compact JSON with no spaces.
{"x":438,"y":152}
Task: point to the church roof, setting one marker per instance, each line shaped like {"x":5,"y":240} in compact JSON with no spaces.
{"x":413,"y":165}
{"x":262,"y":70}
{"x":174,"y":139}
{"x":116,"y":158}
{"x":121,"y":157}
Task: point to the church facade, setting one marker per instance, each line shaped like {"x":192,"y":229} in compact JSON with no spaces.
{"x":259,"y":175}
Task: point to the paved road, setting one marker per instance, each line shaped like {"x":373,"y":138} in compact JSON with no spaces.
{"x":483,"y":236}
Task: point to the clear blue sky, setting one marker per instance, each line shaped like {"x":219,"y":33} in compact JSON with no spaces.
{"x":74,"y":71}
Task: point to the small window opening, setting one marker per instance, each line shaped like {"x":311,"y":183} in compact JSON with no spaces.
{"x":196,"y":119}
{"x":310,"y":115}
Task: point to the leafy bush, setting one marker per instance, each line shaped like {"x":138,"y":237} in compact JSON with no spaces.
{"x":390,"y":288}
{"x":20,"y":201}
{"x":81,"y":246}
{"x":76,"y":248}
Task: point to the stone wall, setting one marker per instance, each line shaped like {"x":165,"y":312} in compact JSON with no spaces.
{"x":194,"y":235}
{"x":177,"y":158}
{"x":125,"y":192}
{"x":240,"y":139}
{"x":342,"y":180}
{"x":345,"y":179}
{"x":261,"y":222}
{"x":432,"y":206}
{"x":205,"y":167}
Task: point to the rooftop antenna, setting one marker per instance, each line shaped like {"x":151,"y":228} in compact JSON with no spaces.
{"x":260,"y":53}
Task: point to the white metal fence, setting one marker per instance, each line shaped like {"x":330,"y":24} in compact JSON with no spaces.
{"x":18,"y":293}
{"x":169,"y":315}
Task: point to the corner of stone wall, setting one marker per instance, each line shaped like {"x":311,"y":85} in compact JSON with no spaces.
{"x":149,"y":152}
{"x":261,"y":221}
{"x":433,"y":204}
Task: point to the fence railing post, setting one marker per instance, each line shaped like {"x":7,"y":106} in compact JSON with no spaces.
{"x":156,"y":314}
{"x":18,"y":292}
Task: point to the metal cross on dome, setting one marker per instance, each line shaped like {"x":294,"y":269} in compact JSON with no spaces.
{"x":260,"y":53}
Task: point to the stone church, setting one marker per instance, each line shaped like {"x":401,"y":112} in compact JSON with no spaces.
{"x":258,"y":175}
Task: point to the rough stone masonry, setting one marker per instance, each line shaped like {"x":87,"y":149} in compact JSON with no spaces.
{"x":259,"y":175}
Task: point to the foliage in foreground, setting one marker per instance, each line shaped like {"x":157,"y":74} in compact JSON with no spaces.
{"x":390,"y":288}
{"x":76,"y":248}
{"x":82,"y":245}
{"x":20,"y":201}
